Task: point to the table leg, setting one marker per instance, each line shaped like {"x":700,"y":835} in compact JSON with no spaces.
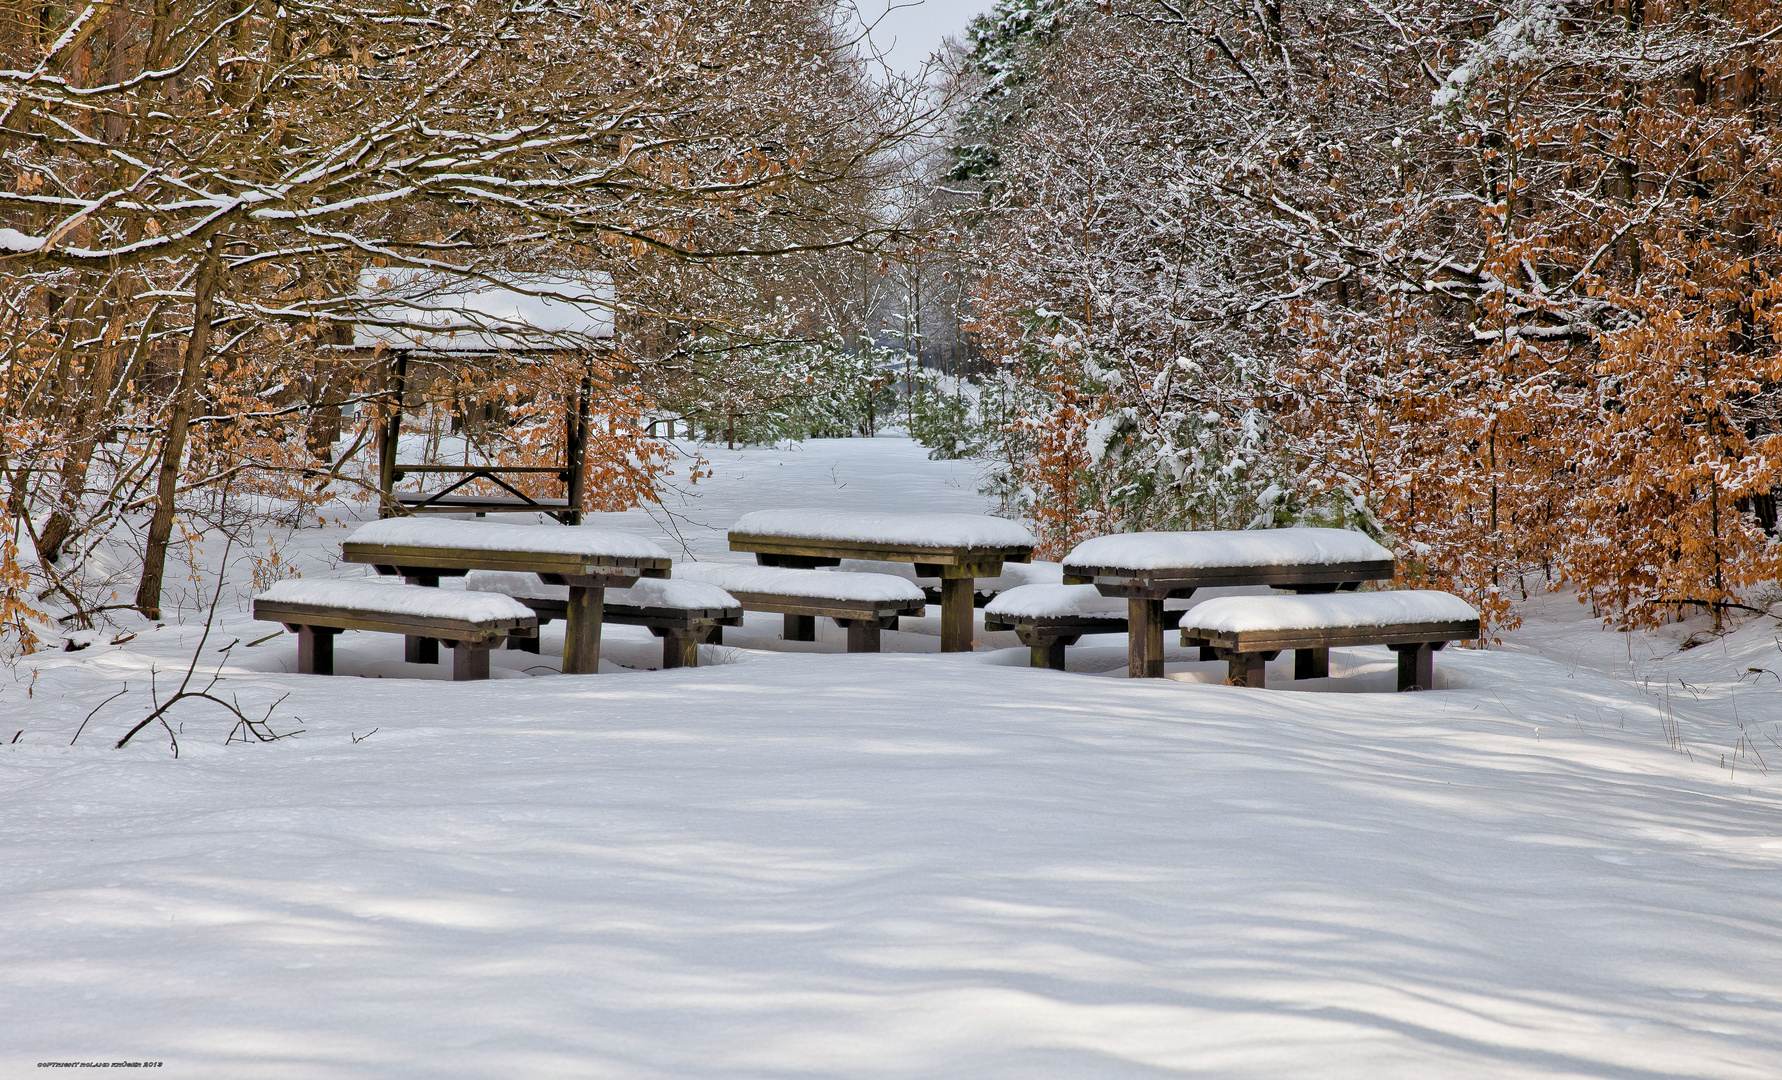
{"x":581,"y":637}
{"x":799,"y":627}
{"x":1311,"y":663}
{"x":1248,"y":669}
{"x":956,"y":614}
{"x":863,"y":634}
{"x":1416,"y":666}
{"x":680,"y":648}
{"x":470,"y":661}
{"x":315,"y":650}
{"x":1144,"y":638}
{"x":421,"y":650}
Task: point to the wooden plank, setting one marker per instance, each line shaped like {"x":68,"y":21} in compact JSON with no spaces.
{"x":351,"y":619}
{"x":1337,"y":637}
{"x":825,"y":607}
{"x":1078,"y":624}
{"x":1128,"y":581}
{"x":525,"y":562}
{"x":488,"y":504}
{"x":939,"y":554}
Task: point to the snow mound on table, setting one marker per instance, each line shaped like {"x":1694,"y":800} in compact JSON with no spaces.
{"x":861,"y":527}
{"x":488,"y":536}
{"x":817,"y":584}
{"x":390,"y":598}
{"x":1055,"y":601}
{"x":1251,"y":547}
{"x":1326,"y":611}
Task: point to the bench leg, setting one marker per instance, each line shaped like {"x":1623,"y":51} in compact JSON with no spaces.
{"x":1207,"y":652}
{"x":1416,"y":665}
{"x":470,"y":661}
{"x":1144,"y":638}
{"x":315,"y":650}
{"x":523,"y":644}
{"x":421,"y":650}
{"x":1247,"y":669}
{"x":956,"y":614}
{"x":1050,"y":655}
{"x":863,"y":634}
{"x":581,"y":636}
{"x":715,"y":636}
{"x":800,"y":627}
{"x":1311,"y":663}
{"x":680,"y":648}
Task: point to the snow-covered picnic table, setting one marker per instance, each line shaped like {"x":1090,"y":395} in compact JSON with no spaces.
{"x":956,"y":548}
{"x":1148,"y":568}
{"x":586,"y":559}
{"x":1414,"y":623}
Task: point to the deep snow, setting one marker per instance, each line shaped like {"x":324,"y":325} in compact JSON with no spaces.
{"x":1565,"y":861}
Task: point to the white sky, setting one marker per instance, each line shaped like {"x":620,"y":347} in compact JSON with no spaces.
{"x":909,"y":33}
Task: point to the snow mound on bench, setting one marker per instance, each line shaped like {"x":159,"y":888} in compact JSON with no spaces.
{"x":1055,"y":602}
{"x":672,"y":593}
{"x":1326,"y":611}
{"x":1014,"y":575}
{"x":903,"y":530}
{"x":1209,"y":549}
{"x":513,"y":583}
{"x":391,"y":598}
{"x":648,"y":592}
{"x":815,"y":584}
{"x":489,"y":536}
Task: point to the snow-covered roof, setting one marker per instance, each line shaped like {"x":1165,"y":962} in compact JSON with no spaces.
{"x":1213,"y":549}
{"x":572,"y":540}
{"x":441,"y":313}
{"x":388,"y":598}
{"x":1326,"y":611}
{"x":877,"y":527}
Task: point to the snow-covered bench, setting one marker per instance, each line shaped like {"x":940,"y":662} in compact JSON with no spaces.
{"x":318,"y":610}
{"x":1247,"y":631}
{"x":682,"y":613}
{"x":862,"y":604}
{"x":956,"y":548}
{"x":1049,"y":617}
{"x":984,"y":590}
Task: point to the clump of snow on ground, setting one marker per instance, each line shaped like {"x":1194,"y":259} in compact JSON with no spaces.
{"x":1566,"y":860}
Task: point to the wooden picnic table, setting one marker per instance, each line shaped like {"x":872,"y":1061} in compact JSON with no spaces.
{"x":589,"y":561}
{"x":957,"y":548}
{"x":1149,"y":568}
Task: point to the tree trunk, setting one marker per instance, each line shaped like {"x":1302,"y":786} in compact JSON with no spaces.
{"x":154,"y":559}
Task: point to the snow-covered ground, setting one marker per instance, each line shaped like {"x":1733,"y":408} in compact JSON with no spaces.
{"x":793,"y":863}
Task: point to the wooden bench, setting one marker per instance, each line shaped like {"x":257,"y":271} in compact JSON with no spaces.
{"x":956,"y":548}
{"x":984,"y":590}
{"x":864,"y":605}
{"x":318,"y":610}
{"x":682,"y":613}
{"x":1249,"y":631}
{"x":1047,"y":618}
